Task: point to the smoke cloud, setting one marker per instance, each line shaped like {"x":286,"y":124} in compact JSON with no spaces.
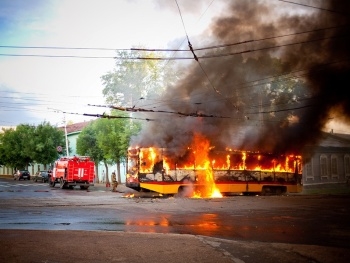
{"x":279,"y":76}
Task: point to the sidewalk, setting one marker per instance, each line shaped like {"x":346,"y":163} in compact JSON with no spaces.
{"x":100,"y":246}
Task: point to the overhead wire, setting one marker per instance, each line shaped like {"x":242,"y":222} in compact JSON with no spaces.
{"x":177,"y":58}
{"x":133,"y":109}
{"x":13,"y":107}
{"x":315,"y":7}
{"x":248,"y":84}
{"x":170,"y":50}
{"x":194,"y":55}
{"x":192,"y":50}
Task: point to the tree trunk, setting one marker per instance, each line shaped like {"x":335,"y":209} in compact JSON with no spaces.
{"x":118,"y":172}
{"x":107,"y":173}
{"x":97,"y":180}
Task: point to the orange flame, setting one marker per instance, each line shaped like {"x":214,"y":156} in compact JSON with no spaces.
{"x":205,"y":178}
{"x":201,"y":163}
{"x":129,"y":195}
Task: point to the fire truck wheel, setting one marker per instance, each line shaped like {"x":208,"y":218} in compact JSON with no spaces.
{"x":82,"y":187}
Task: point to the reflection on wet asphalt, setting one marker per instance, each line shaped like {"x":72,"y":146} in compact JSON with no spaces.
{"x":318,"y":220}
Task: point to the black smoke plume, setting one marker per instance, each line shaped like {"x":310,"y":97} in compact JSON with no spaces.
{"x":281,"y":72}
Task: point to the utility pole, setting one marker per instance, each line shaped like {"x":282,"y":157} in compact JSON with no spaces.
{"x":65,"y":127}
{"x":65,"y":133}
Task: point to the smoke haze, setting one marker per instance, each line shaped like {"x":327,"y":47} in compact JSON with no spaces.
{"x":263,"y":92}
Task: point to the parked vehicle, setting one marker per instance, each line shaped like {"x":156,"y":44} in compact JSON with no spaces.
{"x":73,"y":171}
{"x":22,"y":174}
{"x":42,"y":176}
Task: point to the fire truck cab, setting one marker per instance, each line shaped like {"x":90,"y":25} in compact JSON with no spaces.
{"x":73,"y":171}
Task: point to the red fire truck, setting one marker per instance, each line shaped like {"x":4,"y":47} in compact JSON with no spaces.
{"x":198,"y":174}
{"x":73,"y":171}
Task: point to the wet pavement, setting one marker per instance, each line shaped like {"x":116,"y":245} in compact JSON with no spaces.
{"x":120,"y":228}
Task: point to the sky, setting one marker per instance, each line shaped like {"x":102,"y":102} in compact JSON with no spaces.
{"x":38,"y":86}
{"x":34,"y":89}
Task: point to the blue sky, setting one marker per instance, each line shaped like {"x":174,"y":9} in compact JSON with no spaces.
{"x":21,"y":20}
{"x":31,"y":87}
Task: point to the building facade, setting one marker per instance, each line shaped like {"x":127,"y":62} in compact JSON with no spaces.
{"x":329,"y":161}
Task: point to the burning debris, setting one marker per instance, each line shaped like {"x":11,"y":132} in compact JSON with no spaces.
{"x":129,"y":195}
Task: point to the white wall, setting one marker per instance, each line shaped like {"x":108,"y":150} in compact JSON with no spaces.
{"x":112,"y":168}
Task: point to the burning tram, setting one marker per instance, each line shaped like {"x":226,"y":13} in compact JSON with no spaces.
{"x":212,"y":173}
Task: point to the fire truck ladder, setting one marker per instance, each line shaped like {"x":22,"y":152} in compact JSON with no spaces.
{"x":70,"y":173}
{"x":91,"y":173}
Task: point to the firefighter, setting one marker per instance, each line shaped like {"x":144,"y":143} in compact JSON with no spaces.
{"x":114,"y":182}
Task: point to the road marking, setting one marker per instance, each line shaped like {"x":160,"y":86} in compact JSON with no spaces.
{"x":15,"y":185}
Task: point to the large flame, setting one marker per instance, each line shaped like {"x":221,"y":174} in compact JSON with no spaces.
{"x":203,"y":165}
{"x":200,"y":148}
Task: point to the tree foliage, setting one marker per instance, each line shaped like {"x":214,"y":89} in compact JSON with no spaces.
{"x":131,"y":82}
{"x":28,"y":144}
{"x":46,"y":140}
{"x":133,"y":79}
{"x":87,"y":144}
{"x":108,"y":139}
{"x":269,"y":95}
{"x":11,"y":148}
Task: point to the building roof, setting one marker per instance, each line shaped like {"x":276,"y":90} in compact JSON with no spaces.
{"x":75,"y":127}
{"x":335,"y":140}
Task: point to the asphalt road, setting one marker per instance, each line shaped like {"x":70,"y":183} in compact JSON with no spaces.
{"x":100,"y":226}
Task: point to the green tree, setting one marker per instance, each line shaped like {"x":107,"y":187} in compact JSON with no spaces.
{"x":9,"y":153}
{"x":27,"y":144}
{"x":113,"y":137}
{"x":1,"y":151}
{"x":130,"y":83}
{"x":133,"y":79}
{"x":107,"y":140}
{"x":87,"y":145}
{"x":45,"y":141}
{"x":16,"y":146}
{"x":270,"y":95}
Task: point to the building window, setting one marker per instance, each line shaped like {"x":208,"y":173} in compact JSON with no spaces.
{"x":323,"y":167}
{"x":334,"y":166}
{"x":347,"y":165}
{"x":309,"y":172}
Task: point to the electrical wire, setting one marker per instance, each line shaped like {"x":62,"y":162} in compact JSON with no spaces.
{"x":315,"y":7}
{"x":16,"y":106}
{"x":172,"y":50}
{"x":177,"y":58}
{"x":133,"y":109}
{"x":194,"y":55}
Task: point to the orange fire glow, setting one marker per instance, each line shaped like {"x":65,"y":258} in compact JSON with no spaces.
{"x":200,"y":162}
{"x":129,"y":195}
{"x":200,"y":148}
